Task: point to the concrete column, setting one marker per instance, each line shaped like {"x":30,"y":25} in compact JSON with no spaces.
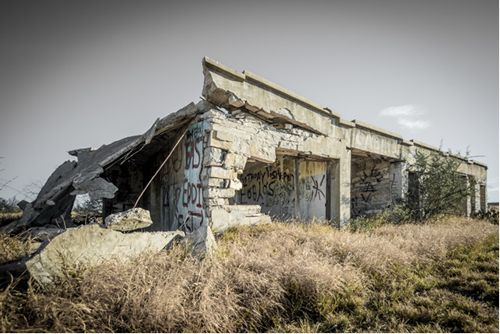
{"x":483,"y":196}
{"x":468,"y":200}
{"x":476,"y":198}
{"x":296,"y":188}
{"x":398,"y":181}
{"x":330,"y":189}
{"x":341,"y":189}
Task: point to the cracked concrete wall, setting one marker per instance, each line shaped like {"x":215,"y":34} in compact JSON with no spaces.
{"x":247,"y":91}
{"x":175,"y":198}
{"x":398,"y":174}
{"x":235,"y":167}
{"x":242,"y":138}
{"x":265,"y":98}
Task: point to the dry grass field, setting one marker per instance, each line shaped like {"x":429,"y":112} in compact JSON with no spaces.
{"x":441,"y":276}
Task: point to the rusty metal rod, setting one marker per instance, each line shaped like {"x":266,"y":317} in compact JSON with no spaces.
{"x":159,"y":168}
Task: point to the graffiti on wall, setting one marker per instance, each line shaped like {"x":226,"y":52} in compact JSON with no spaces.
{"x":366,"y":186}
{"x":183,"y":201}
{"x":268,"y":186}
{"x":312,"y":189}
{"x":271,"y":187}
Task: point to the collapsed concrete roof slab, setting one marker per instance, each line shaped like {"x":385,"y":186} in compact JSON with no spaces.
{"x":71,"y":178}
{"x":58,"y":192}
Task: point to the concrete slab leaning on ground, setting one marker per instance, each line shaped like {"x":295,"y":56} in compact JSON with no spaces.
{"x":91,"y":245}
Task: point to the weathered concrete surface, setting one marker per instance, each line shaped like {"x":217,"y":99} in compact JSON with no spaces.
{"x":371,"y":139}
{"x":251,"y":141}
{"x":202,"y":240}
{"x":247,"y":93}
{"x":90,"y":245}
{"x":289,"y":188}
{"x":228,"y":88}
{"x":130,"y":220}
{"x":270,"y":187}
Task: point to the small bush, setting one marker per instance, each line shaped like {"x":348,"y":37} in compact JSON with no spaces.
{"x":437,"y":187}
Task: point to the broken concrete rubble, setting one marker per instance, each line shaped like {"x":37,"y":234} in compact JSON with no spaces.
{"x":130,"y":220}
{"x":91,"y":245}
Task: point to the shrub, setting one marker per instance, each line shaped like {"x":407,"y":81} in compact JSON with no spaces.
{"x":436,"y":186}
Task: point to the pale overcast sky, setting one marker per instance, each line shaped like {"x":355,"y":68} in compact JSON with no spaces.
{"x":82,"y":73}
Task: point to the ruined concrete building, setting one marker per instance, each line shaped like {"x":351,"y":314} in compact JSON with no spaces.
{"x":248,"y":151}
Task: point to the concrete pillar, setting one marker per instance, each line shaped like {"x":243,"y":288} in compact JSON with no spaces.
{"x":331,"y":170}
{"x":340,"y":190}
{"x":296,"y":188}
{"x":468,"y":199}
{"x":398,"y":181}
{"x":483,"y":196}
{"x":475,"y":198}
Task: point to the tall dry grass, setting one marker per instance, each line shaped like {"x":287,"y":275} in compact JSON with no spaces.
{"x":282,"y":277}
{"x":13,"y":248}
